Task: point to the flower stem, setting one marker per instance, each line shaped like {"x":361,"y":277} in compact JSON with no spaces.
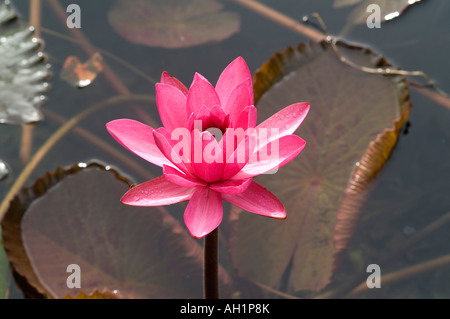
{"x":210,"y":268}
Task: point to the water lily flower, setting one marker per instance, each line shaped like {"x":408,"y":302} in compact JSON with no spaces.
{"x":210,"y":148}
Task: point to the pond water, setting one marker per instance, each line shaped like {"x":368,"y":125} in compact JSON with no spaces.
{"x":410,"y":193}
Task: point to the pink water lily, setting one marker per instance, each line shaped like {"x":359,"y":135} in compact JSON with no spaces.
{"x":203,"y":158}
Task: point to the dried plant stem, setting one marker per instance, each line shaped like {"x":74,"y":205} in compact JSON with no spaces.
{"x":420,"y":235}
{"x":211,"y":265}
{"x":106,"y":53}
{"x":45,"y":148}
{"x":405,"y":273}
{"x":26,"y":143}
{"x":417,"y":237}
{"x":438,"y":95}
{"x":115,"y":82}
{"x":432,"y":95}
{"x":282,"y":19}
{"x":35,"y":14}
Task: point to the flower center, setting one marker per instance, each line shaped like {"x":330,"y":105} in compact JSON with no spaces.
{"x":216,"y":132}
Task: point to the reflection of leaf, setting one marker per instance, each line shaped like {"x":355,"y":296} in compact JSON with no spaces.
{"x":354,"y":119}
{"x":81,"y":74}
{"x":75,"y":217}
{"x":172,"y":23}
{"x":22,"y":71}
{"x":389,"y":9}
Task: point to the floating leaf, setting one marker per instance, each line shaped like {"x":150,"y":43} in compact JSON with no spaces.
{"x":350,"y":131}
{"x":4,"y":171}
{"x":105,"y":294}
{"x":172,"y":23}
{"x":389,"y":9}
{"x":75,"y":216}
{"x":80,"y":74}
{"x":23,"y":71}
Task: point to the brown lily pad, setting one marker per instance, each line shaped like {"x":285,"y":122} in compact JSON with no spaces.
{"x":74,"y":217}
{"x":351,"y":129}
{"x":172,"y":23}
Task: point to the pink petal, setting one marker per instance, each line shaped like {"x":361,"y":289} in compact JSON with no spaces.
{"x":286,"y":120}
{"x":238,"y":99}
{"x":169,"y":147}
{"x":235,"y":73}
{"x":211,"y":117}
{"x":288,"y":148}
{"x":171,"y":103}
{"x":204,"y":212}
{"x":191,"y":121}
{"x":137,"y":138}
{"x":157,"y":192}
{"x":256,"y":199}
{"x":179,"y":178}
{"x":231,"y":187}
{"x":201,"y":93}
{"x":241,"y":154}
{"x":247,"y":118}
{"x":167,"y":79}
{"x":207,"y":157}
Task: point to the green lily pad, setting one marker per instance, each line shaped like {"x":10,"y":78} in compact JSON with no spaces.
{"x":350,"y":131}
{"x":23,"y":70}
{"x":172,"y":23}
{"x":75,"y":217}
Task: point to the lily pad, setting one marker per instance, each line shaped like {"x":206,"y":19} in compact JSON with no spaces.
{"x":351,"y":129}
{"x":23,"y":70}
{"x":389,"y":9}
{"x":172,"y":23}
{"x":75,"y":217}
